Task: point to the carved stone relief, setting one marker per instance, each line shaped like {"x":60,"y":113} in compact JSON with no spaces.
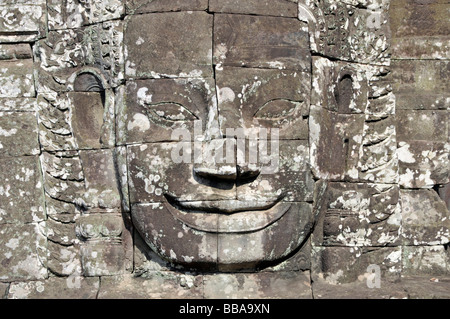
{"x":215,"y":149}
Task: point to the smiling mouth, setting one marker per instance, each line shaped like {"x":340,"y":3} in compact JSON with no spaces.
{"x":227,"y":216}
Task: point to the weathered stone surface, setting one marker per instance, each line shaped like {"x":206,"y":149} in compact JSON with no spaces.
{"x":75,"y":287}
{"x":153,"y":174}
{"x":60,"y":57}
{"x":343,"y":265}
{"x":15,"y":51}
{"x":87,"y":118}
{"x":154,"y":109}
{"x":156,"y":285}
{"x":172,"y":239}
{"x":359,"y":215}
{"x":237,"y":251}
{"x":28,"y":24}
{"x":420,"y":30}
{"x":290,"y":180}
{"x":283,"y":8}
{"x":23,"y":252}
{"x":21,"y":191}
{"x":339,"y":86}
{"x":444,"y":194}
{"x":335,"y":141}
{"x":114,"y":203}
{"x":16,"y":78}
{"x":421,"y":84}
{"x":67,"y":14}
{"x":63,"y":259}
{"x":423,"y":164}
{"x":260,"y":42}
{"x":55,"y":132}
{"x":18,"y":134}
{"x":18,"y":104}
{"x":100,"y":178}
{"x":350,"y":31}
{"x":424,"y":287}
{"x":103,"y":237}
{"x":145,"y":259}
{"x":426,"y":125}
{"x":281,"y":285}
{"x":254,"y":99}
{"x":425,"y":218}
{"x":359,"y":290}
{"x":64,"y":178}
{"x":3,"y":290}
{"x":421,"y":260}
{"x":141,"y":6}
{"x":170,"y":49}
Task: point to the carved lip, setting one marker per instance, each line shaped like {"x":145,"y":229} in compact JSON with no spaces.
{"x":227,"y":216}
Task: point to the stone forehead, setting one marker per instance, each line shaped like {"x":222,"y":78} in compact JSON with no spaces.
{"x":187,"y":44}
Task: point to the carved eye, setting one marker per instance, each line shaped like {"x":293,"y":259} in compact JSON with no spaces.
{"x":277,"y":109}
{"x":171,"y":111}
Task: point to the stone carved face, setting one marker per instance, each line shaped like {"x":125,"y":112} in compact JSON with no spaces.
{"x":214,"y":76}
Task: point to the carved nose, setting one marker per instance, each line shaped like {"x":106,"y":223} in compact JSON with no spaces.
{"x":220,"y":161}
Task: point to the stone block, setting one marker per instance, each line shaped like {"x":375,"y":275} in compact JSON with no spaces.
{"x":255,"y":99}
{"x":282,"y":8}
{"x":426,"y":125}
{"x":21,"y":191}
{"x":18,"y":134}
{"x":100,"y":179}
{"x":423,"y":164}
{"x":172,"y":239}
{"x":74,"y":287}
{"x":156,"y":285}
{"x":153,"y":173}
{"x":68,"y":15}
{"x":61,"y":57}
{"x":18,"y":104}
{"x":142,"y":6}
{"x":421,"y":84}
{"x":421,"y":47}
{"x":3,"y":289}
{"x":154,"y":109}
{"x":266,"y":285}
{"x":23,"y":252}
{"x":425,"y":218}
{"x":351,"y":32}
{"x":424,"y":287}
{"x":28,"y":24}
{"x":291,"y":178}
{"x":16,"y":51}
{"x":344,"y":265}
{"x":87,"y":118}
{"x":359,"y":290}
{"x":256,"y":249}
{"x":359,"y":215}
{"x":261,"y":42}
{"x":63,"y":259}
{"x":16,"y":78}
{"x":425,"y":260}
{"x":335,"y":141}
{"x":409,"y":18}
{"x":169,"y":49}
{"x":103,"y":243}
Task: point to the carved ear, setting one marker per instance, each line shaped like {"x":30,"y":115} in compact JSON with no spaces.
{"x":88,"y":82}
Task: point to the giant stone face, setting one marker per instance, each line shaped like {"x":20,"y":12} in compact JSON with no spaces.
{"x":235,"y":192}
